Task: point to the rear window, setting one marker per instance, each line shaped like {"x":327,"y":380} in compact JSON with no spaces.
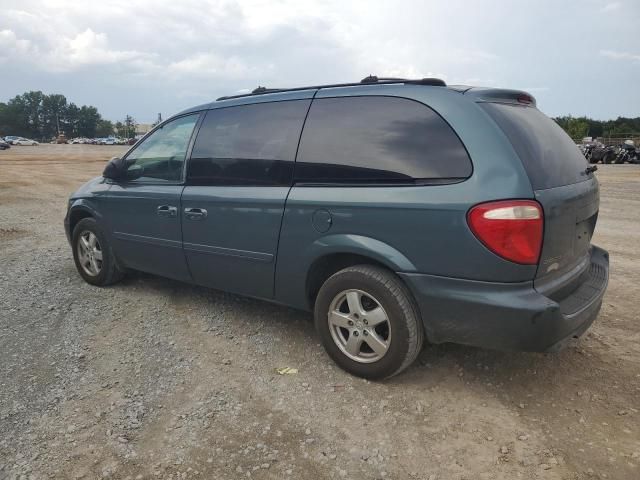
{"x":550,"y":157}
{"x":378,"y":140}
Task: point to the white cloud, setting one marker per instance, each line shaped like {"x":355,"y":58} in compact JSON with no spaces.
{"x":11,"y":45}
{"x":535,"y":89}
{"x":210,"y":64}
{"x":138,"y":54}
{"x":85,"y":49}
{"x":610,"y":7}
{"x":620,"y":55}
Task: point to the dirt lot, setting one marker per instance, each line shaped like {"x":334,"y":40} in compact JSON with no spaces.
{"x":153,"y":378}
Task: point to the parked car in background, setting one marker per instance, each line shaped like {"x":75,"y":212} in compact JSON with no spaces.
{"x":25,"y":141}
{"x":4,"y":145}
{"x":397,"y":211}
{"x":10,"y":139}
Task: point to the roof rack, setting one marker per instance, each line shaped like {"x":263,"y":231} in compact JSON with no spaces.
{"x":370,"y":80}
{"x":436,"y":82}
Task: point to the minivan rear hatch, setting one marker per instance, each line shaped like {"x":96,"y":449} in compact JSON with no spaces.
{"x":567,"y":191}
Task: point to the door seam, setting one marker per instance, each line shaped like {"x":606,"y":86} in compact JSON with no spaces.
{"x":286,"y":198}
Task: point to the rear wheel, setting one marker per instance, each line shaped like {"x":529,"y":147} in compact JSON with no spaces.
{"x":92,"y":254}
{"x":368,"y":322}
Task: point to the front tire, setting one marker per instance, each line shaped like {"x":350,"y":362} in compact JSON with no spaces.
{"x":93,"y":255}
{"x":368,"y":322}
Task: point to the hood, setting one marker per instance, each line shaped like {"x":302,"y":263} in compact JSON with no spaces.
{"x":88,"y":188}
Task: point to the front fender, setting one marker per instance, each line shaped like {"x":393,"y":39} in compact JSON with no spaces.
{"x":79,"y":208}
{"x":84,"y":204}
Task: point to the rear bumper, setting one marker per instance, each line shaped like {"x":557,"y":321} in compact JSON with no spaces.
{"x":508,"y":316}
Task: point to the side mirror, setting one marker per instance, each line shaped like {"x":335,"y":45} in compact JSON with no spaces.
{"x":133,"y":172}
{"x":116,"y":169}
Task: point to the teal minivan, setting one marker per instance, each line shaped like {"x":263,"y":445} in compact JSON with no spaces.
{"x":398,"y":211}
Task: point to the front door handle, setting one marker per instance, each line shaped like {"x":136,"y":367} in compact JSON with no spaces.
{"x":167,"y":211}
{"x":195,"y":213}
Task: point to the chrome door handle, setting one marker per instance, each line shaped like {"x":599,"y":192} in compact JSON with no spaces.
{"x":167,"y":211}
{"x":195,"y":213}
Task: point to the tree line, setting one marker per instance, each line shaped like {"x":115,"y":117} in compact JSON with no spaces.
{"x":43,"y":117}
{"x":40,"y":116}
{"x":580,"y":127}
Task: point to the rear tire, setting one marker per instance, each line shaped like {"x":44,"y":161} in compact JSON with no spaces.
{"x":368,"y":322}
{"x":93,"y":255}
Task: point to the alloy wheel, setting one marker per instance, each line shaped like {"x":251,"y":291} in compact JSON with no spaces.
{"x":89,"y":253}
{"x":359,"y":326}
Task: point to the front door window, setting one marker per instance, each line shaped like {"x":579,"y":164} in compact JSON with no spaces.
{"x":160,"y":157}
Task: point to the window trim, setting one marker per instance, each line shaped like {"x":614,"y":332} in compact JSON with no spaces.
{"x":416,"y":182}
{"x":182,"y":181}
{"x":408,"y":183}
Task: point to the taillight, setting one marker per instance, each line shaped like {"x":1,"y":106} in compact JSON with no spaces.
{"x":510,"y":228}
{"x":526,"y":99}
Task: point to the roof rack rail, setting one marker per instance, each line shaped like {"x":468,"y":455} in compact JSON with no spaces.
{"x":264,"y":90}
{"x":419,"y":81}
{"x":370,"y":80}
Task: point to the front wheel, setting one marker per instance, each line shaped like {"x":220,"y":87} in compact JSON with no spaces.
{"x":368,"y":322}
{"x":92,"y":254}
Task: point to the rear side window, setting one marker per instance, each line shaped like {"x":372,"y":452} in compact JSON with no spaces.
{"x":248,"y":144}
{"x":549,"y":156}
{"x":378,"y":140}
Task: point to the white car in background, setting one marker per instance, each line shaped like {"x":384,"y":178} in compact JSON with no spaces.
{"x":25,"y":141}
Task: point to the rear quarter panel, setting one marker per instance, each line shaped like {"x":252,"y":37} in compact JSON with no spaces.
{"x":426,"y":225}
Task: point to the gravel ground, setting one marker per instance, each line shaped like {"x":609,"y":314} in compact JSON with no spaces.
{"x":153,"y":378}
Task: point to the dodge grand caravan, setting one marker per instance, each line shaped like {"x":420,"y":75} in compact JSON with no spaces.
{"x":398,"y":211}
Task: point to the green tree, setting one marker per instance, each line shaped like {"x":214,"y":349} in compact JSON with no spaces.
{"x":54,"y":110}
{"x":39,"y":116}
{"x":120,"y":129}
{"x":620,"y":127}
{"x":104,"y":128}
{"x":88,"y":118}
{"x":130,"y":127}
{"x":70,"y":122}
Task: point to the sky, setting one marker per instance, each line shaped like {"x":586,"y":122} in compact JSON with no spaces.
{"x":141,"y":57}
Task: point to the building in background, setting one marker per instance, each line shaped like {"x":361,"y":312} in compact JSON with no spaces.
{"x":143,"y":128}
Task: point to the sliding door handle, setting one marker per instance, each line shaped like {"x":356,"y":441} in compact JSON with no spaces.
{"x":195,"y":213}
{"x":167,"y":211}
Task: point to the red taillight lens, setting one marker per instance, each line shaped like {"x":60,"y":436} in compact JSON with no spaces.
{"x":526,"y":99}
{"x":510,"y":228}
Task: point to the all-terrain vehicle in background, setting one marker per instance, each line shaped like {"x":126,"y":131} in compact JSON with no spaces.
{"x":601,"y":153}
{"x":627,"y":153}
{"x":398,"y":211}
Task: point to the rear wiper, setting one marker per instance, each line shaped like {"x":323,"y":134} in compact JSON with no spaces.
{"x":591,"y":169}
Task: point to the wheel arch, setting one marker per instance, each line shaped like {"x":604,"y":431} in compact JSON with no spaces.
{"x":79,"y":211}
{"x":336,"y":252}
